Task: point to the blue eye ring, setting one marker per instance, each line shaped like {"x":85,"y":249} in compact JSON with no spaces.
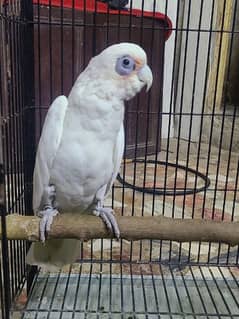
{"x":125,"y":65}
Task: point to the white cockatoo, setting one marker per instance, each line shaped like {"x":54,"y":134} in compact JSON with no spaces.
{"x":81,"y":147}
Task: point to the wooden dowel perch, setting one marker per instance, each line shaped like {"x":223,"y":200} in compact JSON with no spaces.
{"x":132,"y":228}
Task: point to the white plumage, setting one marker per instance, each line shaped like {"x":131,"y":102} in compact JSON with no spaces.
{"x":82,"y":142}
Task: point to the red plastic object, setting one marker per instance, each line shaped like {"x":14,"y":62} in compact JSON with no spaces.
{"x":100,"y":7}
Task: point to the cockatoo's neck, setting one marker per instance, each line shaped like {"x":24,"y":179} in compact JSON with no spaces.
{"x":96,"y":96}
{"x":96,"y":101}
{"x":92,"y":110}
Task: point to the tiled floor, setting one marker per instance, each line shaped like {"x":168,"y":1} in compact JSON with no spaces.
{"x":212,"y":203}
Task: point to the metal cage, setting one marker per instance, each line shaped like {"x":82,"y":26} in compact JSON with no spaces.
{"x":181,"y":159}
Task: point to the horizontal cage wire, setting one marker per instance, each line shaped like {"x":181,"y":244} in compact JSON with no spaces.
{"x":181,"y":156}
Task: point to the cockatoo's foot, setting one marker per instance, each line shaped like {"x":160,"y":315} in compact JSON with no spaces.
{"x":46,"y":220}
{"x":106,"y":214}
{"x":48,"y":211}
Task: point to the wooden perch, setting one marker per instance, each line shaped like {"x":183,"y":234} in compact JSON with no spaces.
{"x":132,"y":228}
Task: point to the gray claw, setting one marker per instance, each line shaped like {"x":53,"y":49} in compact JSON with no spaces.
{"x":46,"y":221}
{"x":106,"y":214}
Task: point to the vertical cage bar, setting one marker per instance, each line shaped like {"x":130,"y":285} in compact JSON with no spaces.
{"x":213,"y":122}
{"x":4,"y":248}
{"x":29,"y":101}
{"x":5,"y":284}
{"x":29,"y":138}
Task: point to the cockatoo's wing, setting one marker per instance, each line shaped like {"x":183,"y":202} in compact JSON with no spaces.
{"x":55,"y":253}
{"x":47,"y":148}
{"x":117,"y":156}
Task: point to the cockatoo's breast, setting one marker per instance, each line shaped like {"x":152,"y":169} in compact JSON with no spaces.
{"x":84,"y":160}
{"x":79,"y":171}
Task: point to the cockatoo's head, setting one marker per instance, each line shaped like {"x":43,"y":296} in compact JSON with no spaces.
{"x":123,"y":67}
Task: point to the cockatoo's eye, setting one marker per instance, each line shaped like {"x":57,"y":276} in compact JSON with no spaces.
{"x":125,"y":65}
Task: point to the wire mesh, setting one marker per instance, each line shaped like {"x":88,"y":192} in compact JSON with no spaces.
{"x":184,"y":129}
{"x":202,"y":292}
{"x":12,"y":260}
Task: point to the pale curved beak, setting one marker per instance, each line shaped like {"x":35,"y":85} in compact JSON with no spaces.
{"x":145,"y":75}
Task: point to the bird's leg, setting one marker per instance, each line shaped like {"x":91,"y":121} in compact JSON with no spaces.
{"x":48,"y":211}
{"x":106,"y":213}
